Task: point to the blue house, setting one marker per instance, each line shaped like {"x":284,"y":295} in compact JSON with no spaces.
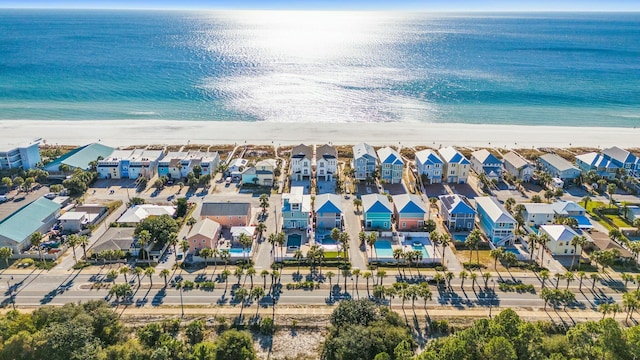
{"x":558,"y":167}
{"x":296,"y":209}
{"x":595,"y":162}
{"x":485,"y":162}
{"x":456,"y":212}
{"x":377,"y":212}
{"x":623,"y":159}
{"x":365,"y":161}
{"x":391,"y":164}
{"x":328,"y":211}
{"x":495,"y":221}
{"x":430,"y":165}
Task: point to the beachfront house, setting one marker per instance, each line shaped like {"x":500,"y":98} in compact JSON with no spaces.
{"x":456,"y":212}
{"x":177,"y":164}
{"x":518,"y":166}
{"x":262,"y":173}
{"x":536,"y":214}
{"x":236,"y":167}
{"x":301,"y":162}
{"x":296,"y":209}
{"x":226,"y":213}
{"x":204,"y":234}
{"x":328,"y":211}
{"x":326,"y":163}
{"x":377,"y":212}
{"x":20,"y":157}
{"x":40,"y":215}
{"x":624,"y":159}
{"x":391,"y":165}
{"x":409,"y":212}
{"x":560,"y":243}
{"x":595,"y":162}
{"x":365,"y":161}
{"x":558,"y":167}
{"x":429,"y":166}
{"x":129,"y":164}
{"x":484,"y":162}
{"x":456,"y":166}
{"x":79,"y":158}
{"x":495,"y":221}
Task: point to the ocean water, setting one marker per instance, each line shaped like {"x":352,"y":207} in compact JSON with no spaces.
{"x":286,"y":66}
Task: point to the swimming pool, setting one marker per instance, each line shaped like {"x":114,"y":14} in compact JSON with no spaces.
{"x":512,"y":250}
{"x":383,"y":248}
{"x":239,"y":251}
{"x":294,"y":241}
{"x":459,"y":237}
{"x":420,"y":247}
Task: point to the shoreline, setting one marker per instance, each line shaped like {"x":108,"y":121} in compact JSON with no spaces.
{"x":119,"y":133}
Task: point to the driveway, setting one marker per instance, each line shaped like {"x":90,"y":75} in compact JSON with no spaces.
{"x":19,"y":200}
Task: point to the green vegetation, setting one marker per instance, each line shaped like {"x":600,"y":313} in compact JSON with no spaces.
{"x":93,"y":331}
{"x":79,"y":181}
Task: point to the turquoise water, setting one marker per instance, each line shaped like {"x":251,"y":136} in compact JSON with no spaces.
{"x":512,"y":250}
{"x":294,"y":240}
{"x":239,"y":251}
{"x":425,"y":253}
{"x":383,"y":249}
{"x":459,"y":238}
{"x":536,"y":69}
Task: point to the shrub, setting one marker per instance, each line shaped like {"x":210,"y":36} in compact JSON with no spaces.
{"x":45,"y":265}
{"x":267,"y":327}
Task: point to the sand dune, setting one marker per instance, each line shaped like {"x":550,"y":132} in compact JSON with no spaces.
{"x":122,"y":132}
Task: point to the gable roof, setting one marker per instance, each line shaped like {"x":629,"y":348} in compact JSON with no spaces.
{"x":515,"y":160}
{"x":557,"y":162}
{"x":115,"y":239}
{"x":409,"y":203}
{"x":388,"y":155}
{"x":451,"y":155}
{"x":140,"y":212}
{"x":301,"y":151}
{"x":206,"y":227}
{"x":376,"y":203}
{"x":213,"y":208}
{"x":485,"y":157}
{"x":456,"y":204}
{"x":80,"y":157}
{"x":494,"y":209}
{"x":619,"y":154}
{"x":267,"y":163}
{"x":559,"y":232}
{"x":28,"y":219}
{"x":364,"y":149}
{"x":326,"y":152}
{"x":328,"y":203}
{"x":428,"y":156}
{"x":564,"y":207}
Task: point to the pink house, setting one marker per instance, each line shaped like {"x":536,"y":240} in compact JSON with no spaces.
{"x":409,"y":212}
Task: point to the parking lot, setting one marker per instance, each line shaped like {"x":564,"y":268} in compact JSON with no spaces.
{"x":19,"y":200}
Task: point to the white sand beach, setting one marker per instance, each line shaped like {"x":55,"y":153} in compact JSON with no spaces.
{"x":123,"y":132}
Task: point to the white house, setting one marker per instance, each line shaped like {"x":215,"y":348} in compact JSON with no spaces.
{"x":236,"y":167}
{"x":326,"y":163}
{"x":301,"y":162}
{"x":137,"y":213}
{"x":536,"y":214}
{"x":560,"y":236}
{"x":129,"y":164}
{"x":21,"y":157}
{"x":177,"y":164}
{"x":73,"y":221}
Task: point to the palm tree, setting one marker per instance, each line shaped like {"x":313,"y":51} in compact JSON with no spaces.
{"x":261,"y":228}
{"x":149,"y":272}
{"x":206,"y":253}
{"x":397,"y":255}
{"x":367,"y":275}
{"x":585,"y":200}
{"x":474,"y":279}
{"x":112,"y":275}
{"x":224,"y":275}
{"x":165,"y":274}
{"x":357,"y":203}
{"x":298,"y":256}
{"x":264,"y":274}
{"x":264,"y":203}
{"x":486,"y":276}
{"x":558,"y":277}
{"x":381,"y":274}
{"x":345,"y":274}
{"x":543,"y":240}
{"x":424,"y":292}
{"x":569,"y":277}
{"x":356,"y":274}
{"x":344,"y":242}
{"x":371,"y":241}
{"x":256,"y":294}
{"x":225,"y":255}
{"x":184,"y":246}
{"x":241,"y":295}
{"x":137,"y":271}
{"x":463,"y":275}
{"x":445,"y":241}
{"x":630,"y":302}
{"x":281,"y":240}
{"x":496,"y":254}
{"x":575,"y":242}
{"x":611,"y":189}
{"x":36,"y":240}
{"x":626,"y":278}
{"x":544,"y":276}
{"x":594,"y":278}
{"x":144,"y":237}
{"x":238,"y":272}
{"x":581,"y":275}
{"x":604,"y":308}
{"x":449,"y":276}
{"x":246,"y":241}
{"x":615,"y":309}
{"x":84,"y":242}
{"x":173,"y":239}
{"x":472,"y":242}
{"x":124,"y":270}
{"x":329,"y":276}
{"x":532,"y":240}
{"x":73,"y":240}
{"x":251,"y":271}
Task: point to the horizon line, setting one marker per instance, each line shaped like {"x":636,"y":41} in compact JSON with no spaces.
{"x":558,"y":11}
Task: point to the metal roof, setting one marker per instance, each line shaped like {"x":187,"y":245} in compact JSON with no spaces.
{"x":364,"y":149}
{"x":409,"y":203}
{"x":80,"y":157}
{"x":456,"y":204}
{"x":557,"y":162}
{"x":205,"y":227}
{"x":328,"y":203}
{"x":376,"y":203}
{"x":224,"y":208}
{"x":515,"y":160}
{"x":428,"y":156}
{"x":28,"y":219}
{"x":451,"y":155}
{"x":494,"y":209}
{"x":388,"y":155}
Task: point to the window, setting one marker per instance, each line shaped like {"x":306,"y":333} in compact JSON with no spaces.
{"x":404,"y":225}
{"x":565,"y":251}
{"x":453,"y":172}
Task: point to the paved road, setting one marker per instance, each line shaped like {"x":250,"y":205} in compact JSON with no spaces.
{"x":353,"y":228}
{"x":40,"y":288}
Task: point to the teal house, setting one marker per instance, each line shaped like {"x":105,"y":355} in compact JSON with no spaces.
{"x":16,"y":230}
{"x":296,"y":209}
{"x":377,"y":212}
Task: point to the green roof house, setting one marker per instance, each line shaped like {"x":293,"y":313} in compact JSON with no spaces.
{"x":16,"y":230}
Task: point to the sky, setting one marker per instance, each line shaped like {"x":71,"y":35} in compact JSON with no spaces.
{"x":421,"y":5}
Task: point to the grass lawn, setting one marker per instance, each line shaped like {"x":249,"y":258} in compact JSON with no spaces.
{"x":618,"y":221}
{"x":485,"y":259}
{"x":592,"y":204}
